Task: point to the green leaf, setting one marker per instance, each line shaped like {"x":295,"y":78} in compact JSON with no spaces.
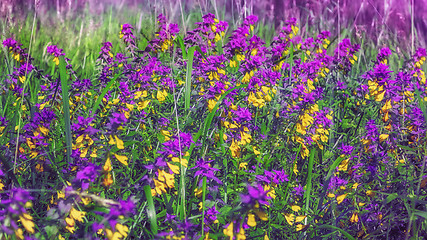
{"x":391,"y":197}
{"x":421,"y":214}
{"x":188,"y":77}
{"x":151,"y":211}
{"x":104,"y":91}
{"x":66,"y":106}
{"x":346,"y":234}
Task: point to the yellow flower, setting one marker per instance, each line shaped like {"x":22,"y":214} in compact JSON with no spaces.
{"x":19,"y":234}
{"x":341,"y":198}
{"x":122,"y":159}
{"x":295,"y":208}
{"x":251,"y":220}
{"x":235,"y":149}
{"x":243,"y":165}
{"x":229,"y":231}
{"x":354,"y":218}
{"x":344,"y":165}
{"x":211,"y":104}
{"x":77,"y":215}
{"x":161,"y":95}
{"x":119,"y":142}
{"x":174,"y":168}
{"x":160,"y":187}
{"x":383,"y":137}
{"x":108,"y":180}
{"x":300,"y":227}
{"x":70,"y":224}
{"x":167,"y":178}
{"x":256,"y":152}
{"x":241,"y":234}
{"x":182,"y":161}
{"x":107,"y":166}
{"x":27,"y":222}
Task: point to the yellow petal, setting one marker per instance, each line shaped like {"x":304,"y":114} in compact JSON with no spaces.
{"x":300,"y":227}
{"x":354,"y":218}
{"x":241,"y":235}
{"x":122,"y":229}
{"x":111,"y":142}
{"x":370,"y":193}
{"x":119,"y":142}
{"x":341,"y":198}
{"x":290,"y":218}
{"x":122,"y":159}
{"x":19,"y":233}
{"x":107,"y":166}
{"x":80,"y":139}
{"x":295,"y":208}
{"x":344,"y":165}
{"x":174,"y":168}
{"x":27,"y":222}
{"x":77,"y":215}
{"x":229,"y":231}
{"x":251,"y":220}
{"x":300,"y":218}
{"x":383,"y":137}
{"x":380,"y":96}
{"x":129,"y":106}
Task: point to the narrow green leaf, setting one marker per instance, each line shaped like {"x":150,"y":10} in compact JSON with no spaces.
{"x":346,"y":234}
{"x":180,"y":41}
{"x":203,"y":205}
{"x":66,"y":106}
{"x":104,"y":91}
{"x":421,"y":214}
{"x":151,"y":211}
{"x":309,"y":179}
{"x":188,"y":77}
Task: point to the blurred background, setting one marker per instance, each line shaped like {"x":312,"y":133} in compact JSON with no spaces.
{"x":400,"y":22}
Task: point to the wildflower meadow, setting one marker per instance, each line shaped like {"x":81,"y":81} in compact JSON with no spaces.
{"x":213,"y":133}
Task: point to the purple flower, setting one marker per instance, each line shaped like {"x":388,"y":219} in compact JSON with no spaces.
{"x":117,"y":120}
{"x":205,"y":170}
{"x":87,"y":175}
{"x":255,"y":195}
{"x":383,"y":54}
{"x":346,"y":149}
{"x":55,"y":51}
{"x":299,"y":190}
{"x":127,"y":35}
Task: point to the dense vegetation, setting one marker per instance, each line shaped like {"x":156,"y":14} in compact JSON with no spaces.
{"x":213,"y":133}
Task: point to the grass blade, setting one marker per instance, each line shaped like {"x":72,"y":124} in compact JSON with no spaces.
{"x":203,"y":205}
{"x":309,"y":183}
{"x":190,"y":56}
{"x":98,"y":101}
{"x":66,"y":106}
{"x":151,"y":211}
{"x":346,"y":234}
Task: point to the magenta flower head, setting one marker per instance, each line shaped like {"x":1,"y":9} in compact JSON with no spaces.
{"x":87,"y":175}
{"x":251,"y":20}
{"x":383,"y":54}
{"x":419,"y":54}
{"x":106,"y":48}
{"x":255,"y":195}
{"x":55,"y":52}
{"x":11,"y":44}
{"x":126,"y":34}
